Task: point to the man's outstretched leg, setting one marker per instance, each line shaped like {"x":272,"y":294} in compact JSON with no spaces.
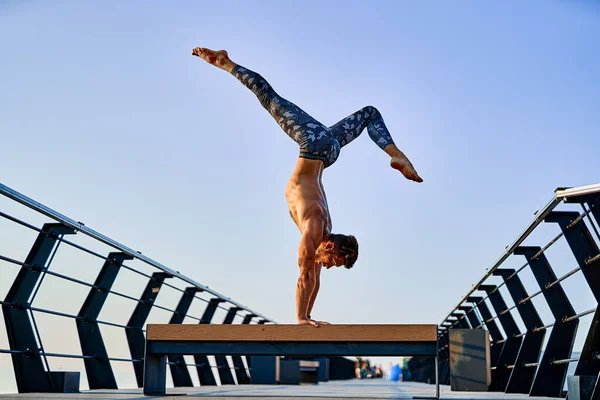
{"x":314,"y":138}
{"x":370,"y":118}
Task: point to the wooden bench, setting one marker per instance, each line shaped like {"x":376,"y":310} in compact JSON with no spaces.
{"x":282,"y":340}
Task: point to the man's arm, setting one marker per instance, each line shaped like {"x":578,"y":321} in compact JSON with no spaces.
{"x":315,"y":291}
{"x":311,"y":238}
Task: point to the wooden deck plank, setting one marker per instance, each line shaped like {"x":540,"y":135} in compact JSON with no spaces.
{"x":292,"y":333}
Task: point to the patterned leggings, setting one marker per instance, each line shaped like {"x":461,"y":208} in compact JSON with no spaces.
{"x":316,"y":141}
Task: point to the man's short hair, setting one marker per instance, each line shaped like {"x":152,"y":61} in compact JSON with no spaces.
{"x":347,"y":247}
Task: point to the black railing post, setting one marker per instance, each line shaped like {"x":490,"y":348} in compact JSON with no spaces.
{"x":584,"y":249}
{"x":238,"y":363}
{"x":582,"y":245}
{"x":471,"y":316}
{"x":512,"y":343}
{"x":486,"y":315}
{"x":461,"y":320}
{"x":222,"y":364}
{"x":30,"y":373}
{"x":179,"y":371}
{"x":550,"y":377}
{"x":135,"y":333}
{"x":98,"y":369}
{"x":248,"y":319}
{"x":205,"y":373}
{"x":521,"y":377}
{"x":593,"y":200}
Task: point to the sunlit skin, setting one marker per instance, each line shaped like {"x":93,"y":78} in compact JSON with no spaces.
{"x":308,"y":208}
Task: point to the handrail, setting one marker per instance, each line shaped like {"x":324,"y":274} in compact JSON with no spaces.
{"x":560,"y":194}
{"x":79,"y":226}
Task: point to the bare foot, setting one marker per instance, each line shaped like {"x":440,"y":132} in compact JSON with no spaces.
{"x":308,"y":322}
{"x":403,"y":165}
{"x":217,"y":58}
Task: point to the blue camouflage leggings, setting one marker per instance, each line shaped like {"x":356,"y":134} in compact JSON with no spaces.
{"x":316,"y":141}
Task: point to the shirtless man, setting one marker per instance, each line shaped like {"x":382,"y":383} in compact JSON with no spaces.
{"x":319,"y":148}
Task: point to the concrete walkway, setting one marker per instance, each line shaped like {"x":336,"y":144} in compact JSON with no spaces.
{"x":354,"y":389}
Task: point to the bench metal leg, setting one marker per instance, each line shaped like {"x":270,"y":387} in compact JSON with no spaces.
{"x":155,"y":374}
{"x":437,"y":379}
{"x":437,"y":383}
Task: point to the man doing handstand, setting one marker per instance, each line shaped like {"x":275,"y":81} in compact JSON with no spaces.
{"x":319,"y":148}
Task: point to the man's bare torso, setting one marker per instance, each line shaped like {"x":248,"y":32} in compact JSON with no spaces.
{"x":306,"y":197}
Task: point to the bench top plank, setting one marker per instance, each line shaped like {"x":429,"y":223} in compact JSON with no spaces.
{"x":292,"y":333}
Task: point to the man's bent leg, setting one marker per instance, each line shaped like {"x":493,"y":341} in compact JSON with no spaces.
{"x":369,"y":117}
{"x":353,"y":125}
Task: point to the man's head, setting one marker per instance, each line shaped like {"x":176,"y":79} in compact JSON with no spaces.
{"x":337,"y":250}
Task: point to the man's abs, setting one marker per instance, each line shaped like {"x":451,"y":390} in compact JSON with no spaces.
{"x":306,"y":200}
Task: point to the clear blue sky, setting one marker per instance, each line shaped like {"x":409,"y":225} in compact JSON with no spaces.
{"x":106,"y":117}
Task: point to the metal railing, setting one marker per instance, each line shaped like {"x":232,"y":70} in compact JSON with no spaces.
{"x":26,"y":345}
{"x":524,"y":360}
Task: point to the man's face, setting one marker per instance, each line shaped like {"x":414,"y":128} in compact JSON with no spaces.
{"x":334,"y":260}
{"x":328,"y":257}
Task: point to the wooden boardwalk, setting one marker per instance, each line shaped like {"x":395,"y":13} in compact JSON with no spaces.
{"x":354,"y":389}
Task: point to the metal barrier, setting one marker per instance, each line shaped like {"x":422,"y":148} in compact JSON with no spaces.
{"x":30,"y":358}
{"x":523,"y":358}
